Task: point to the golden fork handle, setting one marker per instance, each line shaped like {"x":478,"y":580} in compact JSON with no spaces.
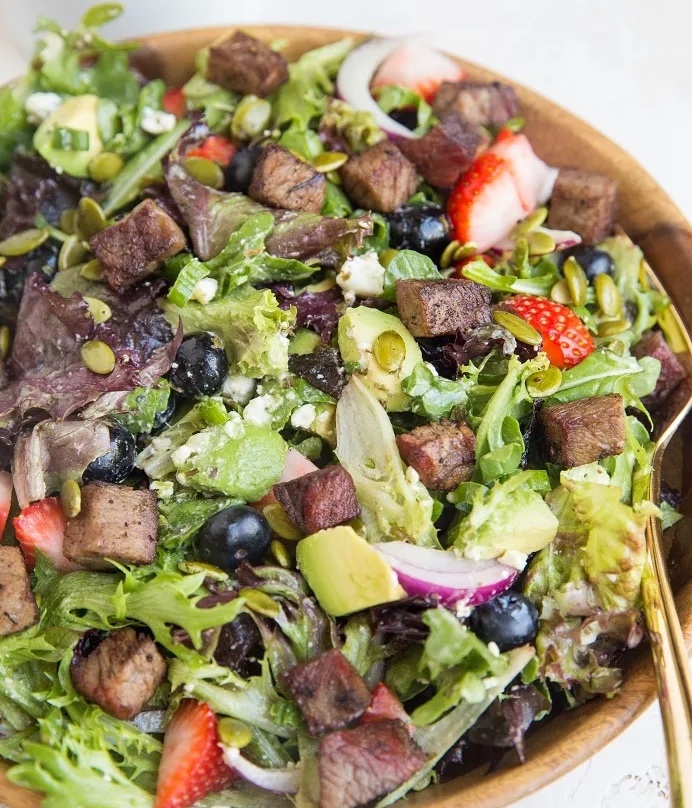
{"x":672,"y":669}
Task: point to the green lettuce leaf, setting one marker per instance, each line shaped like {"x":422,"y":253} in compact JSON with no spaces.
{"x":480,"y":272}
{"x":358,"y":128}
{"x":394,"y":96}
{"x":407,"y":265}
{"x":432,"y":395}
{"x":217,"y":103}
{"x":140,"y":407}
{"x":14,"y":128}
{"x":182,"y":516}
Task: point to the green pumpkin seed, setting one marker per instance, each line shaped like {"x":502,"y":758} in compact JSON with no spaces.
{"x":560,"y":293}
{"x":386,"y":256}
{"x":209,"y":570}
{"x":544,"y":382}
{"x":205,"y":171}
{"x":644,"y":275}
{"x":105,"y":166}
{"x":465,"y":251}
{"x":389,"y":350}
{"x":329,"y":161}
{"x":67,"y":221}
{"x":521,"y":254}
{"x":281,"y":554}
{"x":100,"y":312}
{"x":531,"y":222}
{"x":540,"y":243}
{"x":5,"y":341}
{"x":448,"y":254}
{"x":260,"y":602}
{"x":251,"y":117}
{"x":280,"y":523}
{"x":71,"y":498}
{"x":233,"y":732}
{"x":335,"y":177}
{"x":24,"y":242}
{"x":610,"y":328}
{"x":91,"y":270}
{"x":71,"y":253}
{"x":576,"y":281}
{"x":89,"y":219}
{"x":517,"y":327}
{"x":98,"y":357}
{"x":607,"y":295}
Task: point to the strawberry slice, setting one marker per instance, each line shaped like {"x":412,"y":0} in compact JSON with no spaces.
{"x":173,"y":102}
{"x":485,"y":205}
{"x":418,"y":67}
{"x":216,"y":148}
{"x":296,"y":465}
{"x":534,"y":178}
{"x":192,"y":765}
{"x":41,"y":526}
{"x":566,"y":339}
{"x":385,"y":705}
{"x":5,"y":497}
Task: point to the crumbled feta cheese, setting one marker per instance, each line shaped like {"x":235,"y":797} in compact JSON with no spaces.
{"x":205,"y":290}
{"x":462,"y":609}
{"x":181,"y":454}
{"x":259,"y":411}
{"x":234,"y":427}
{"x":362,"y":275}
{"x":164,"y":488}
{"x":238,"y":388}
{"x":39,"y":106}
{"x":349,"y":298}
{"x":412,"y":476}
{"x":156,"y":122}
{"x":303,"y":417}
{"x":513,"y":558}
{"x":493,"y":648}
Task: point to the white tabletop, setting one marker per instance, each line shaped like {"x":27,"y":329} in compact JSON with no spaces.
{"x":622,"y":65}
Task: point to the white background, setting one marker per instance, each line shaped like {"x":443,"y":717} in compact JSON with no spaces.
{"x":623,"y":65}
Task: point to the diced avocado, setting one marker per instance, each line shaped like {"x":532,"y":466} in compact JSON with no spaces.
{"x":345,"y":572}
{"x":304,"y":342}
{"x":79,"y":114}
{"x":367,"y":334}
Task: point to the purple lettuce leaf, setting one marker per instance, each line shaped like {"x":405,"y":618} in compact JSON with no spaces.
{"x":318,"y":311}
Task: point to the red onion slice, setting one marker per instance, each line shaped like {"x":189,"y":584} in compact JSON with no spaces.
{"x":280,"y":781}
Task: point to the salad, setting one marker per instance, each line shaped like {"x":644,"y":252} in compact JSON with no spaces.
{"x":326,"y":416}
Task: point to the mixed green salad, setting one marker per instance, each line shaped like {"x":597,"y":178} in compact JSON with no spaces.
{"x":326,"y":411}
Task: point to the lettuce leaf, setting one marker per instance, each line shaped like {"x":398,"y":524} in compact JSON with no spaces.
{"x":342,"y":124}
{"x":139,"y":409}
{"x":14,"y":128}
{"x":480,"y":272}
{"x":407,"y":265}
{"x":432,"y":395}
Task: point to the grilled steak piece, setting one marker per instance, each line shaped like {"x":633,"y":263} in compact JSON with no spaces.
{"x":584,"y":431}
{"x":585,"y":202}
{"x":17,"y":605}
{"x":654,"y":344}
{"x":358,"y":765}
{"x":116,"y":522}
{"x":120,"y":674}
{"x":445,"y":152}
{"x":443,"y":454}
{"x":131,"y":249}
{"x":282,"y":180}
{"x":329,"y":692}
{"x":245,"y":65}
{"x":380,"y":178}
{"x":318,"y":500}
{"x":322,"y":369}
{"x":442,"y":308}
{"x":478,"y":103}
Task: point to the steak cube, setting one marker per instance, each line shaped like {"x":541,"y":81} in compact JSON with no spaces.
{"x":319,"y":500}
{"x":282,"y":180}
{"x":585,"y":202}
{"x":478,"y":103}
{"x":357,"y":765}
{"x":116,"y":522}
{"x":584,"y":431}
{"x":131,"y":249}
{"x":443,"y":454}
{"x":329,"y":692}
{"x":439,"y":308}
{"x":120,"y":673}
{"x":17,"y":604}
{"x":654,"y":344}
{"x":443,"y":154}
{"x":380,"y":178}
{"x":245,"y":65}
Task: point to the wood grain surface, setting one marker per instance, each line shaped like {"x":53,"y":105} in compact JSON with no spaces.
{"x":654,"y":222}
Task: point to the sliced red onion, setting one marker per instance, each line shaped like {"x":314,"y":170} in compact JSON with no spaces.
{"x":426,"y":571}
{"x":280,"y":781}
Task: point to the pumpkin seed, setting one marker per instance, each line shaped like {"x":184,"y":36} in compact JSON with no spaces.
{"x":98,"y":357}
{"x":540,"y":243}
{"x":448,"y":254}
{"x":89,"y":219}
{"x":91,"y":270}
{"x":234,"y":732}
{"x":389,"y":350}
{"x":251,"y":117}
{"x":279,"y":522}
{"x":281,"y":554}
{"x":100,"y":312}
{"x":465,"y":251}
{"x":71,"y":253}
{"x":210,"y":571}
{"x":521,"y":254}
{"x":609,"y":328}
{"x":560,"y":293}
{"x":531,"y":222}
{"x":5,"y":341}
{"x":71,"y":498}
{"x":607,"y":295}
{"x":386,"y":256}
{"x":544,"y":382}
{"x":335,"y":177}
{"x":260,"y":602}
{"x":205,"y":171}
{"x":67,"y":221}
{"x":24,"y":242}
{"x":576,"y":281}
{"x":105,"y":166}
{"x":329,"y":161}
{"x":644,"y":275}
{"x":517,"y":327}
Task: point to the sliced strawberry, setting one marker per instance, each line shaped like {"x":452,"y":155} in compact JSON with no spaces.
{"x":216,"y":148}
{"x":566,"y":339}
{"x":418,"y":67}
{"x":484,"y":205}
{"x":296,"y":465}
{"x":41,"y":526}
{"x":534,"y":178}
{"x":5,"y":497}
{"x":385,"y":705}
{"x":191,"y":765}
{"x":174,"y":102}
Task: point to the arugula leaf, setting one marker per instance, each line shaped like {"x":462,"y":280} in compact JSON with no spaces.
{"x":407,"y":265}
{"x":434,"y":396}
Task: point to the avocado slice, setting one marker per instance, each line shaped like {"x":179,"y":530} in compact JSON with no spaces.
{"x":358,"y":332}
{"x":345,"y":572}
{"x":81,"y":114}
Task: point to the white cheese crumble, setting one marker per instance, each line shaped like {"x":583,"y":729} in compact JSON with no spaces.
{"x":39,"y":106}
{"x":238,"y":388}
{"x":362,"y":275}
{"x":462,"y":609}
{"x":234,"y":427}
{"x":493,"y":648}
{"x":303,"y":417}
{"x":349,"y":298}
{"x":181,"y":454}
{"x":156,"y":122}
{"x":205,"y":290}
{"x":259,"y":411}
{"x":513,"y":558}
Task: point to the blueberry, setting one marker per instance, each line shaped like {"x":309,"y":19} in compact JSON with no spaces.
{"x":163,"y":417}
{"x":591,"y":260}
{"x":200,"y":366}
{"x":423,"y":228}
{"x":509,"y":620}
{"x":232,"y":536}
{"x":239,"y":171}
{"x":118,"y":462}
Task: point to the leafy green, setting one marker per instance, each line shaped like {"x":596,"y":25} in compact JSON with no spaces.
{"x":141,"y":406}
{"x":434,"y":396}
{"x":407,"y":265}
{"x":182,"y":516}
{"x":393,"y":96}
{"x":358,"y":647}
{"x":336,"y":203}
{"x":480,"y":272}
{"x":306,"y":143}
{"x":358,"y":128}
{"x":217,"y":103}
{"x":14,"y":128}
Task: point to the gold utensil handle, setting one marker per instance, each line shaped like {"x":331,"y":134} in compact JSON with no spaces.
{"x":672,"y":669}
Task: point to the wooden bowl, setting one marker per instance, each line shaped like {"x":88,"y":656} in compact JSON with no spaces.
{"x":655,"y":223}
